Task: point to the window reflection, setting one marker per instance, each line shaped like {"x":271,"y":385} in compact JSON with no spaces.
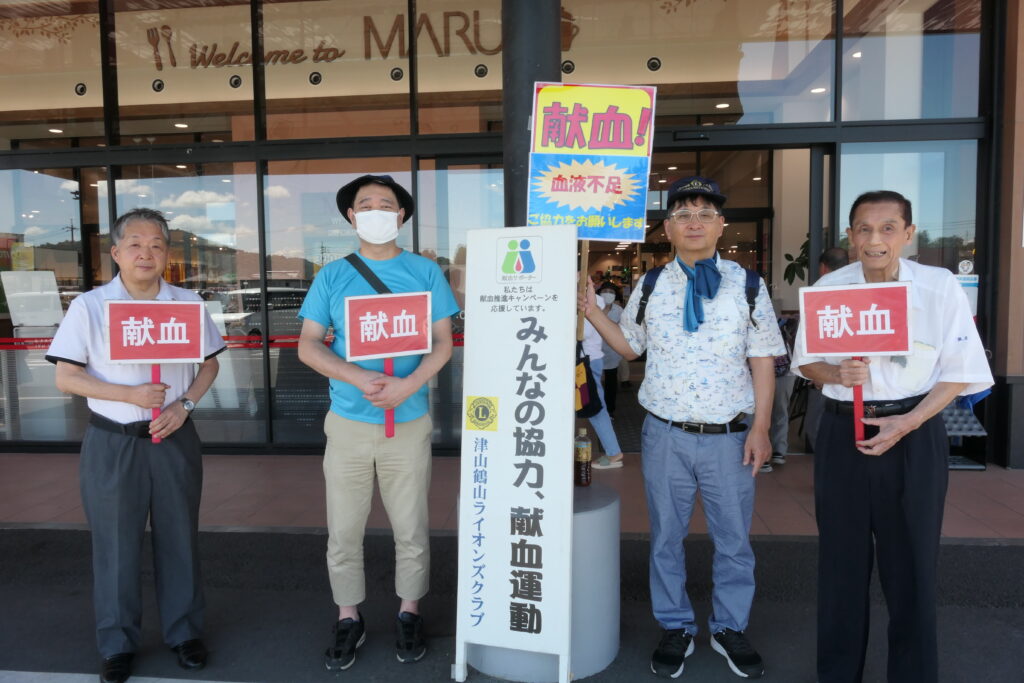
{"x":184,"y":71}
{"x":51,"y":59}
{"x":714,"y":62}
{"x":918,"y":59}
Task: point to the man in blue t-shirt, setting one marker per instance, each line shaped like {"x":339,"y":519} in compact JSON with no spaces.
{"x":357,"y":449}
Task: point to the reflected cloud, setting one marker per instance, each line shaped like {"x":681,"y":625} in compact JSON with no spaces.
{"x":195,"y":198}
{"x":69,"y":185}
{"x":125,"y":187}
{"x":277,"y":192}
{"x":194,"y":224}
{"x":34,"y":233}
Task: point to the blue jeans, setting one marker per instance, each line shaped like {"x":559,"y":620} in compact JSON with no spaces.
{"x":676,"y":465}
{"x":602,"y":422}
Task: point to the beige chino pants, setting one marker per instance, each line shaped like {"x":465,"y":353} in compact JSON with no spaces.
{"x":356,"y":451}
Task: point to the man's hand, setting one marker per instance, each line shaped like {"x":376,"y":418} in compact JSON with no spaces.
{"x":854,"y":373}
{"x":390,"y":392}
{"x":170,"y":420}
{"x":890,"y":430}
{"x":757,"y":449}
{"x":586,"y":301}
{"x":149,"y":395}
{"x":368,"y":382}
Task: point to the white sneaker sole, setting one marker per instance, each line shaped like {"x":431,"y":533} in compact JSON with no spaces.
{"x":362,"y":639}
{"x":423,"y":654}
{"x":678,"y":672}
{"x":721,"y":650}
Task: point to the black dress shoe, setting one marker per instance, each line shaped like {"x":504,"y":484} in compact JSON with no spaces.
{"x":192,"y":654}
{"x":117,"y":668}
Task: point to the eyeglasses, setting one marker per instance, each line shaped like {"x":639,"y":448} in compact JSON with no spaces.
{"x":685,"y":215}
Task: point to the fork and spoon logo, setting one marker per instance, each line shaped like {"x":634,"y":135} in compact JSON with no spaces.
{"x":153,"y":37}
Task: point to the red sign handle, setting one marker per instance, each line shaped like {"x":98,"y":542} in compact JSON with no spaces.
{"x":389,"y":414}
{"x":858,"y":409}
{"x":155,"y":377}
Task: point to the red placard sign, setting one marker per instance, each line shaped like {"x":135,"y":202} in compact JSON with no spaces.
{"x":155,"y":331}
{"x":387,"y":325}
{"x":856,"y":320}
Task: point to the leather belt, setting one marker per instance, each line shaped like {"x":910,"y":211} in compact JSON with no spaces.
{"x":137,"y":429}
{"x":874,"y":408}
{"x":737,"y":425}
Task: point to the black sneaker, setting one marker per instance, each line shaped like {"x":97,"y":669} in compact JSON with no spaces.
{"x":670,"y":656}
{"x":737,"y":650}
{"x":410,"y":644}
{"x":778,"y":459}
{"x":349,"y":635}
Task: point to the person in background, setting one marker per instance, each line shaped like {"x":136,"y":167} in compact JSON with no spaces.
{"x":882,"y":498}
{"x":127,"y":480}
{"x":784,"y":381}
{"x":612,"y":359}
{"x":357,"y":450}
{"x":602,"y":421}
{"x":831,"y":259}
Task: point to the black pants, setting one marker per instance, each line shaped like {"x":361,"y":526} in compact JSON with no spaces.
{"x":611,"y":388}
{"x":890,"y":505}
{"x":127,"y":481}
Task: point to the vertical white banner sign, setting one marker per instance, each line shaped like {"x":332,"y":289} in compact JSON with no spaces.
{"x":516,"y":492}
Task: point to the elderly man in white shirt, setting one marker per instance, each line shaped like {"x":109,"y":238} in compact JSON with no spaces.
{"x":710,"y":366}
{"x":884,"y":496}
{"x":128,"y":480}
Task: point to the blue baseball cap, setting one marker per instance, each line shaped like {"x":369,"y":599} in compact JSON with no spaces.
{"x":694,"y":185}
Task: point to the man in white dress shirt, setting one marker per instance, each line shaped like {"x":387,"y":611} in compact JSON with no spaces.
{"x":126,"y":479}
{"x":710,"y":366}
{"x":884,"y":496}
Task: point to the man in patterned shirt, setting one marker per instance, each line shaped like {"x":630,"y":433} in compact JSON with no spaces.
{"x":708,"y":392}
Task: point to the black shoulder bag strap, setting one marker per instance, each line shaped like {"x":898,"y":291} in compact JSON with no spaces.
{"x":751,"y":289}
{"x":367,"y":274}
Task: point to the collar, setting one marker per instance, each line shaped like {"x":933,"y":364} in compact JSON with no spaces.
{"x":119,"y":291}
{"x":674,"y":267}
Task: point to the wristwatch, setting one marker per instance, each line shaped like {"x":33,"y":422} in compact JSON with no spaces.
{"x":188,"y":404}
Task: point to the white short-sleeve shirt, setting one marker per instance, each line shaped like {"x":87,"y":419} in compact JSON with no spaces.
{"x":80,"y":340}
{"x":701,"y":376}
{"x":946,"y":345}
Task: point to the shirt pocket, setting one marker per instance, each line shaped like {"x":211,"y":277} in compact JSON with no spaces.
{"x":917,"y":368}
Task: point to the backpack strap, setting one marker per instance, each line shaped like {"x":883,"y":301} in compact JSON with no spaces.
{"x":751,"y":289}
{"x":650,"y":279}
{"x":368,"y":274}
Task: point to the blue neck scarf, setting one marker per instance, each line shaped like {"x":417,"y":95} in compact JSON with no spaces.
{"x":702,"y":282}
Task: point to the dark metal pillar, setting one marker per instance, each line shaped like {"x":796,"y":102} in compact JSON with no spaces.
{"x":817,"y":210}
{"x":530,"y":38}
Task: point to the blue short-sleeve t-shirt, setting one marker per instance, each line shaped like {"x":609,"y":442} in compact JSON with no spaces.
{"x":325,"y":304}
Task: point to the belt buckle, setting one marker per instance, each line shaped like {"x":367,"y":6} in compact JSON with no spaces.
{"x":693,"y":427}
{"x":869,"y":411}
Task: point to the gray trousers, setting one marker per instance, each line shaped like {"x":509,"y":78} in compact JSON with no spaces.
{"x":125,"y":482}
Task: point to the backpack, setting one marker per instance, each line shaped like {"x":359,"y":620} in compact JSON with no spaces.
{"x":651,"y":278}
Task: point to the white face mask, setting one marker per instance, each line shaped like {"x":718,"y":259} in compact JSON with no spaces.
{"x":377,"y":227}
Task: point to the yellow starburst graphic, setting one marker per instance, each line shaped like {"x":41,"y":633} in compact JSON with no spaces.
{"x":587,"y":185}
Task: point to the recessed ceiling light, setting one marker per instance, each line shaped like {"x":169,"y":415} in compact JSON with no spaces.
{"x":181,"y":125}
{"x":143,"y":196}
{"x":708,"y":123}
{"x":817,"y":91}
{"x":94,"y":184}
{"x":725,"y":225}
{"x":216,"y":140}
{"x":663,"y":180}
{"x":857,"y":55}
{"x":180,"y":166}
{"x":756,"y":178}
{"x":56,"y":130}
{"x":722,"y":105}
{"x":655,"y":203}
{"x":225,"y":180}
{"x":672,"y":168}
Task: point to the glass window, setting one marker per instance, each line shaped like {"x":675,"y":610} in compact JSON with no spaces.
{"x":47,"y":218}
{"x":305,"y":232}
{"x":714,"y":63}
{"x":184,"y":72}
{"x":50,"y":74}
{"x":919,"y":59}
{"x":939,"y":179}
{"x":459,"y":66}
{"x":214,"y":251}
{"x":336,"y":68}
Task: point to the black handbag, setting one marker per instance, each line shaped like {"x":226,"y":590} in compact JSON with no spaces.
{"x":588,"y":402}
